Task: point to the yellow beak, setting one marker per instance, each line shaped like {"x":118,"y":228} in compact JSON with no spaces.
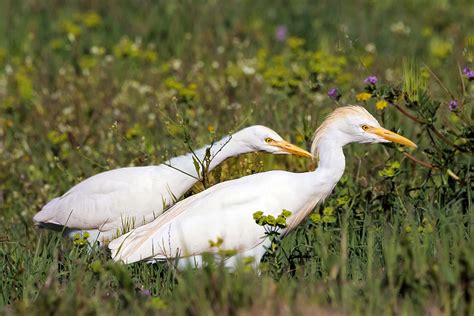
{"x":391,"y":136}
{"x":291,"y":149}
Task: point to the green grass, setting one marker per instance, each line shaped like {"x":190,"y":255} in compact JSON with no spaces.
{"x":87,"y":86}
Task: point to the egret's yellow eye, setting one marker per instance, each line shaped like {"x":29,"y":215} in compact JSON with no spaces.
{"x":365,"y":127}
{"x":268,"y":140}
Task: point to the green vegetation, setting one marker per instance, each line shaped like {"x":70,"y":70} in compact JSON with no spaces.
{"x":87,"y":86}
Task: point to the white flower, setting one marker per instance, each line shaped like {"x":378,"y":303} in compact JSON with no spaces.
{"x":370,"y":48}
{"x":248,"y":70}
{"x":400,"y":28}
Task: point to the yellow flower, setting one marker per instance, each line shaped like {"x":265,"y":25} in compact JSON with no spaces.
{"x":381,"y":104}
{"x":91,"y":19}
{"x":295,"y":42}
{"x":363,"y":96}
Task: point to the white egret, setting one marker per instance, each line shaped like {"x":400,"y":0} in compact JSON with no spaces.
{"x":106,"y":203}
{"x":225,"y":210}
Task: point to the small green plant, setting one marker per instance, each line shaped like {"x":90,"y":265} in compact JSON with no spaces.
{"x":391,"y":170}
{"x":327,"y":217}
{"x":222,"y":253}
{"x":81,"y":239}
{"x":273,"y":226}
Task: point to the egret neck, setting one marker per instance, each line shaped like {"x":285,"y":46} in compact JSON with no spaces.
{"x":228,"y":146}
{"x":331,"y":163}
{"x":320,"y":182}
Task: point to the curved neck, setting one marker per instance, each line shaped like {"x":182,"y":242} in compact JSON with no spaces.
{"x":211,"y":155}
{"x":331,"y":163}
{"x":316,"y":185}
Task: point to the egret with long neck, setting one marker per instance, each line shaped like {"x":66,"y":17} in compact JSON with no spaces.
{"x":106,"y":204}
{"x":225,"y":210}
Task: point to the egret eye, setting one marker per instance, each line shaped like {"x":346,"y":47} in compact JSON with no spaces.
{"x":365,"y":127}
{"x":268,"y":140}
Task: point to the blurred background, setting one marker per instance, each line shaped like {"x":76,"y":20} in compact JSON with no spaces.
{"x":87,"y":86}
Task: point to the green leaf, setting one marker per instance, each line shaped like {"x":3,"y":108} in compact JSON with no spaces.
{"x":197,"y":165}
{"x":286,"y":213}
{"x":315,"y":218}
{"x":257,"y":215}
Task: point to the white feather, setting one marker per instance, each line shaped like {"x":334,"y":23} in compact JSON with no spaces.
{"x":226,"y":210}
{"x":124,"y":198}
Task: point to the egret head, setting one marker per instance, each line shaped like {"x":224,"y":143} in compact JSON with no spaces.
{"x":354,"y":124}
{"x":261,"y":138}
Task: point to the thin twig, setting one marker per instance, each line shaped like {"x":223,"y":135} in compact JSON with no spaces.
{"x":446,"y":140}
{"x":410,"y":116}
{"x":432,"y":139}
{"x":462,"y":85}
{"x":431,"y":127}
{"x":420,"y":162}
{"x":182,"y":171}
{"x":439,"y":81}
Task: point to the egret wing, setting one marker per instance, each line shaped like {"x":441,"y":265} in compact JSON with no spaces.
{"x":103,"y":199}
{"x":192,"y":216}
{"x":223,"y":211}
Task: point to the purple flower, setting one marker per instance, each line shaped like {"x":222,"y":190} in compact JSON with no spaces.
{"x":333,"y":93}
{"x":453,"y":105}
{"x":371,"y":80}
{"x":468,"y":73}
{"x":145,"y":292}
{"x":280,"y":33}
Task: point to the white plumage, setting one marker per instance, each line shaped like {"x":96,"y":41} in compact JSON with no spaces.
{"x":109,"y":202}
{"x":226,"y":210}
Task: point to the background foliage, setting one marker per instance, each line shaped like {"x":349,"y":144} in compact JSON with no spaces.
{"x":87,"y":86}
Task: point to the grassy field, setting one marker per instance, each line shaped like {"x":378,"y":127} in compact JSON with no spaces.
{"x":88,"y":86}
